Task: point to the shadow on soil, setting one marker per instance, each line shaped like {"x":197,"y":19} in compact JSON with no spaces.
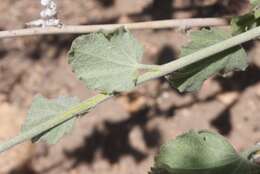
{"x":240,"y":81}
{"x":106,"y":3}
{"x":113,"y":140}
{"x":166,"y":9}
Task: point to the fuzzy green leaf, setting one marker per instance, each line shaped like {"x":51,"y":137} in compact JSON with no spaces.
{"x":192,"y":77}
{"x":42,"y":110}
{"x":107,"y":62}
{"x":248,"y":21}
{"x":240,"y":24}
{"x":201,"y":152}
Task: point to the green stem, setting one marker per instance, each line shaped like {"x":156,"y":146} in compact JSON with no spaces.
{"x":160,"y":71}
{"x":200,"y":55}
{"x":83,"y":107}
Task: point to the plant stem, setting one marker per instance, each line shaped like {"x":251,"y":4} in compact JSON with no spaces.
{"x":200,"y":55}
{"x":81,"y":108}
{"x":162,"y":71}
{"x":173,"y":23}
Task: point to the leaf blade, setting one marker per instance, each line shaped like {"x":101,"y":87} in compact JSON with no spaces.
{"x":43,"y":110}
{"x":201,"y":152}
{"x":192,"y":77}
{"x":108,"y":63}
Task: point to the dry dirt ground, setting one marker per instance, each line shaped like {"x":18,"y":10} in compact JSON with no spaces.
{"x":123,"y":134}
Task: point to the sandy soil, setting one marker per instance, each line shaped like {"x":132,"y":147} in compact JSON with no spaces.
{"x":123,"y":134}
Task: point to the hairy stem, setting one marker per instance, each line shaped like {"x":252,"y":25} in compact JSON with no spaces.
{"x":83,"y":107}
{"x":174,"y":23}
{"x":162,"y":71}
{"x":200,"y":55}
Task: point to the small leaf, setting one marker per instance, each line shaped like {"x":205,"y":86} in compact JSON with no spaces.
{"x":201,"y":152}
{"x":248,"y":21}
{"x":241,"y":24}
{"x":108,"y":63}
{"x":192,"y":77}
{"x":42,"y":110}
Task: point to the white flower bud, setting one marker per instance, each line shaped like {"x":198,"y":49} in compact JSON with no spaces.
{"x":45,"y":2}
{"x":48,"y":15}
{"x":52,"y":5}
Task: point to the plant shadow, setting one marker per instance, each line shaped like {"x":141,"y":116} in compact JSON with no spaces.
{"x":113,"y":140}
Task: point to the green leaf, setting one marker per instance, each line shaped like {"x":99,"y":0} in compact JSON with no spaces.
{"x":201,"y":152}
{"x":248,"y":21}
{"x":255,"y":9}
{"x":107,"y":62}
{"x":240,"y":24}
{"x":43,"y":110}
{"x":192,"y":77}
